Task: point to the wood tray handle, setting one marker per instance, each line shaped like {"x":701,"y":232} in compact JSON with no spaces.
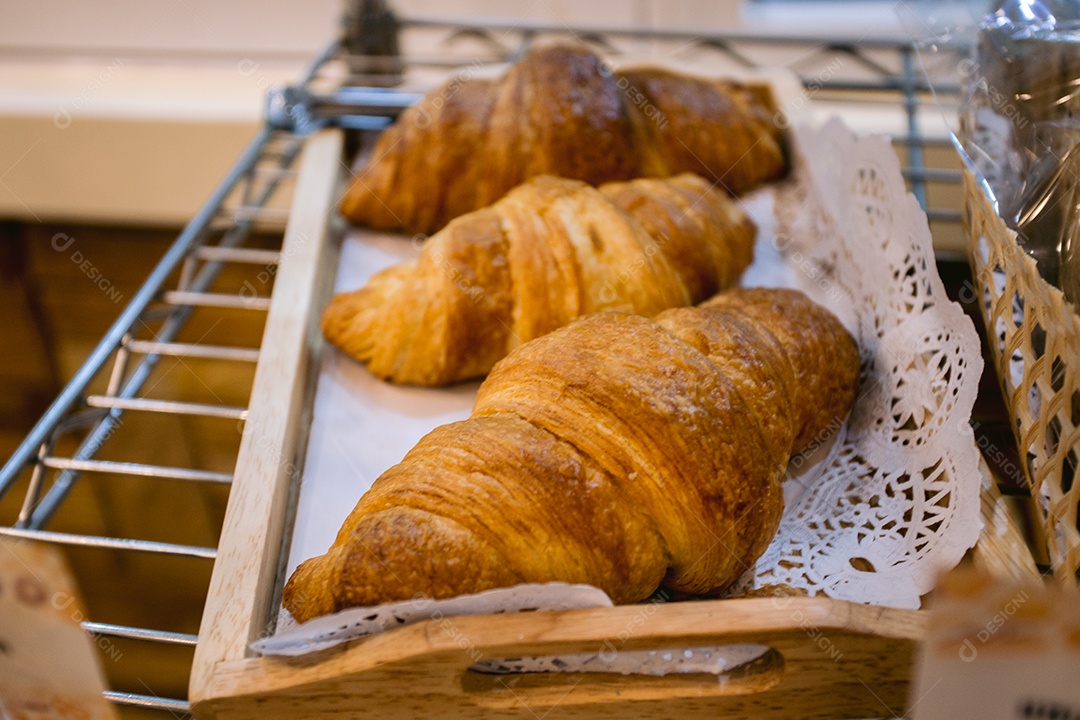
{"x":828,"y":659}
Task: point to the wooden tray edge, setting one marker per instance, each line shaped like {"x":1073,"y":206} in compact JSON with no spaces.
{"x":243,"y":578}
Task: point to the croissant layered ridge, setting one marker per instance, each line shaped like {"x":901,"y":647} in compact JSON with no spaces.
{"x":560,"y":110}
{"x":550,"y":251}
{"x":619,"y":451}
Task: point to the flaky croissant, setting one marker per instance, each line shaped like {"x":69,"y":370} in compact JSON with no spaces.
{"x":550,"y":251}
{"x":560,"y":111}
{"x":619,"y":451}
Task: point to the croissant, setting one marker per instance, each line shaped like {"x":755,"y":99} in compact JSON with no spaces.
{"x":619,"y":451}
{"x":548,"y":252}
{"x":560,"y":111}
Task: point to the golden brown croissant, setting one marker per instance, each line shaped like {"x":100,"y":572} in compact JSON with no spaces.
{"x":560,"y":111}
{"x":548,"y":252}
{"x":619,"y":451}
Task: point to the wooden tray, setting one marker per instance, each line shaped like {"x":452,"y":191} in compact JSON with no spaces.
{"x":828,"y":658}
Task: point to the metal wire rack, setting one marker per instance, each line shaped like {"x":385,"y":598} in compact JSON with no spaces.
{"x":348,"y":85}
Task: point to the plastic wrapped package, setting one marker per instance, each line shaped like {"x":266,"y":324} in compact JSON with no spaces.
{"x":1020,"y":122}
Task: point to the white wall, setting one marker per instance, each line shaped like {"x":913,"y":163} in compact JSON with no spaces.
{"x":131,"y":110}
{"x":168,"y":27}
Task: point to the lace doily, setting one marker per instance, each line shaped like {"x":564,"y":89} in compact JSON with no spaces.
{"x":713,"y":660}
{"x":896,"y":498}
{"x":292,"y":638}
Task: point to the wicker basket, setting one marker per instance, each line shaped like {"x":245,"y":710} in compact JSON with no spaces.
{"x":1035,"y":345}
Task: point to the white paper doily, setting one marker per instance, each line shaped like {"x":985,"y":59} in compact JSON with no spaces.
{"x":712,"y":660}
{"x":292,"y":639}
{"x":897,"y":499}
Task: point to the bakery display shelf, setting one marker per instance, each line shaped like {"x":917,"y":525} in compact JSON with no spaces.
{"x":118,"y":370}
{"x":348,"y":89}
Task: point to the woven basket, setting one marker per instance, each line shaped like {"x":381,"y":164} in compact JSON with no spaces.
{"x":1035,"y":346}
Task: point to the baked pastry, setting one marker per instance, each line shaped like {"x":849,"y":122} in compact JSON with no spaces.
{"x":618,"y":451}
{"x":560,"y":111}
{"x":548,"y":252}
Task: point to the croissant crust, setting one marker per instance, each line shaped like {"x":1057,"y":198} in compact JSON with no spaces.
{"x":550,"y":251}
{"x":619,"y":451}
{"x":560,"y":111}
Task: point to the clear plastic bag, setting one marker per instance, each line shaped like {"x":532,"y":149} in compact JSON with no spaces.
{"x":1020,"y":124}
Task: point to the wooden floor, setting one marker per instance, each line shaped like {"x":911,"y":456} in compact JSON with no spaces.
{"x":62,"y":287}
